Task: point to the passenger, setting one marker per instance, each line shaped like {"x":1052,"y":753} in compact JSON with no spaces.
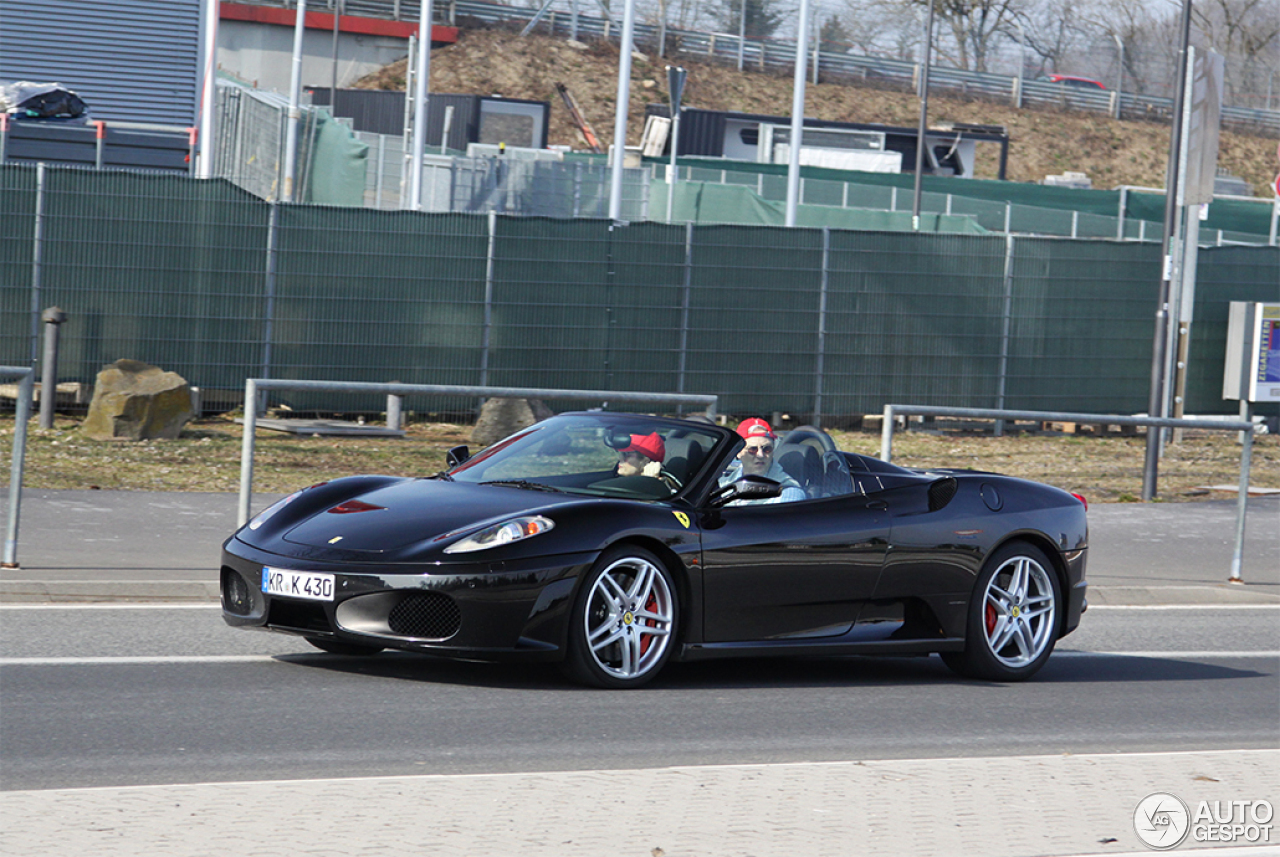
{"x":643,"y":457}
{"x":756,"y":459}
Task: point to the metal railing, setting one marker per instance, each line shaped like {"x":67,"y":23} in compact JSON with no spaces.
{"x":1246,"y":430}
{"x":395,"y":393}
{"x":26,"y":384}
{"x":771,"y":54}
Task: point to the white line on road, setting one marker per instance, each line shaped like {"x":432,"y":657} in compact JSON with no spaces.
{"x":230,"y":659}
{"x":150,"y":605}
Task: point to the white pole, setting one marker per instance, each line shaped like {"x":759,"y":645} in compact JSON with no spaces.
{"x":620,"y":111}
{"x":797,"y":115}
{"x":673,"y":170}
{"x":208,"y":92}
{"x":420,"y":104}
{"x":295,"y":95}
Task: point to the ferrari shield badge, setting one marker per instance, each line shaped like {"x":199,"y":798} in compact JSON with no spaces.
{"x":682,"y":518}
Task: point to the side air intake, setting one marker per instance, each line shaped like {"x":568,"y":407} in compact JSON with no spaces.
{"x":941,"y":492}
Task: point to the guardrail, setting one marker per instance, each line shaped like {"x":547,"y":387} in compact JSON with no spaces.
{"x":1246,"y":430}
{"x":395,"y":393}
{"x":767,"y":53}
{"x":26,"y":384}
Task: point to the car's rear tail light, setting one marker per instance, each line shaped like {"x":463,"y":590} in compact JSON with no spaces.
{"x":1081,"y":498}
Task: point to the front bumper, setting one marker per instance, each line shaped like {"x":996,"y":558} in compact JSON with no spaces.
{"x":479,"y":610}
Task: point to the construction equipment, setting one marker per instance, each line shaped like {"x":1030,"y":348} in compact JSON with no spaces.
{"x":578,"y":119}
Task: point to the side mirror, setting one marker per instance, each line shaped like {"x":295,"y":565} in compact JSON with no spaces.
{"x":748,"y":487}
{"x":457,"y":455}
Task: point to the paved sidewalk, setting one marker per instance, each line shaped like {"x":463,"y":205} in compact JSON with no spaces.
{"x":1028,"y":805}
{"x":148,"y":546}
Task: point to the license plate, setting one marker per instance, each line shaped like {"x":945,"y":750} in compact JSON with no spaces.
{"x":312,"y":585}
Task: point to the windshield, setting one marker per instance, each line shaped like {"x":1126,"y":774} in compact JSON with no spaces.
{"x":597,"y":455}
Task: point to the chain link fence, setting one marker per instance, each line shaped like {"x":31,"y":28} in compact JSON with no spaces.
{"x":204,"y":279}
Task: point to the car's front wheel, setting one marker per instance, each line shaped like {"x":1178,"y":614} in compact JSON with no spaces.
{"x":624,"y":620}
{"x":1013,"y":617}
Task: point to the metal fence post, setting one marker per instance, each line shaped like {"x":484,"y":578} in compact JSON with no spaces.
{"x":684,"y":307}
{"x":395,"y":407}
{"x":488,"y":301}
{"x":1123,"y":205}
{"x":886,"y":434}
{"x":22,"y":416}
{"x":822,"y":326}
{"x":37,"y":260}
{"x":53,"y":318}
{"x":1006,"y":323}
{"x":1246,"y":456}
{"x":273,"y":250}
{"x":246,"y":450}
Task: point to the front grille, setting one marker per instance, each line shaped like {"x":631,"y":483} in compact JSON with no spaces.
{"x":430,"y":615}
{"x":236,"y":597}
{"x":297,"y":614}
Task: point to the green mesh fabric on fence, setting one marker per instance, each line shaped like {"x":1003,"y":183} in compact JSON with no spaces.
{"x":913,"y":319}
{"x":200,"y":278}
{"x":1246,"y":217}
{"x":727,"y":204}
{"x":377,"y":296}
{"x":155,"y":268}
{"x":17,"y":232}
{"x":753,"y":316}
{"x":1082,"y":325}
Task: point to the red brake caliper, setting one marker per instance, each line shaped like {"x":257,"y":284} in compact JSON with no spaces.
{"x":648,"y":640}
{"x":991,"y":619}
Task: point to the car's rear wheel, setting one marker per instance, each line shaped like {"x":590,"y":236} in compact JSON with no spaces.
{"x":1013,"y":616}
{"x":338,"y":647}
{"x":624,"y":620}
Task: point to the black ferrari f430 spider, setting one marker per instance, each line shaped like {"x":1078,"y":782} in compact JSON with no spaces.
{"x":613,"y":543}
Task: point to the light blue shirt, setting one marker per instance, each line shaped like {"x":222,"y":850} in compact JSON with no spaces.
{"x":791,"y":490}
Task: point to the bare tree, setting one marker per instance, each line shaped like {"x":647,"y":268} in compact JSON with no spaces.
{"x":974,"y":26}
{"x":1247,"y":34}
{"x":891,"y":28}
{"x":1057,"y":33}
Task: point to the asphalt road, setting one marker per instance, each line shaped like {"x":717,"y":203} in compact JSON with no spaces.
{"x":150,"y":694}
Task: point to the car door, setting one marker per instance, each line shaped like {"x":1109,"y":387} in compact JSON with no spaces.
{"x":786,"y":570}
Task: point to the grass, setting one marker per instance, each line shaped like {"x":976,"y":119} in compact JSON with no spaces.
{"x":207,"y":458}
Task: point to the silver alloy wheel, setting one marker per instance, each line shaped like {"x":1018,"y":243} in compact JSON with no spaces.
{"x":628,"y":620}
{"x":1019,"y":612}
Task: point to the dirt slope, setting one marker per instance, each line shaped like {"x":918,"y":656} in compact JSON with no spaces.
{"x":1111,"y":153}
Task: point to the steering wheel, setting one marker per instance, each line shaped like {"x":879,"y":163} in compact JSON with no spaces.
{"x":670,"y":480}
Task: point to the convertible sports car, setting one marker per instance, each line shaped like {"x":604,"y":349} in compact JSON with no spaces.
{"x":554,"y":544}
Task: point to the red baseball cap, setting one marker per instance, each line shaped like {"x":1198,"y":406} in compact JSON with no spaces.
{"x":755,"y":427}
{"x":650,"y":446}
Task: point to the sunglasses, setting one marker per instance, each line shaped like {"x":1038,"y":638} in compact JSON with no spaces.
{"x":764,"y":449}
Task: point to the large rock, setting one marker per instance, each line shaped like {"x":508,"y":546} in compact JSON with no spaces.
{"x":500,"y":418}
{"x":133,"y":400}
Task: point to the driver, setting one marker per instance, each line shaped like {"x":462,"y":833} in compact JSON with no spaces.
{"x":756,"y":459}
{"x":643,"y":457}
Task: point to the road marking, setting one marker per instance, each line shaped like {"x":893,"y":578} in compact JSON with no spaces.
{"x":1093,"y":607}
{"x":231,"y":659}
{"x":212,"y":605}
{"x":1189,"y":655}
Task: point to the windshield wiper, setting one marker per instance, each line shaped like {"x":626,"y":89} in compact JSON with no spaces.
{"x":443,"y":474}
{"x":524,"y":483}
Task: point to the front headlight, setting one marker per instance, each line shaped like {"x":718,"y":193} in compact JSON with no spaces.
{"x":503,"y":534}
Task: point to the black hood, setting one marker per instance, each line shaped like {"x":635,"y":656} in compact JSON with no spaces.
{"x":420,"y":510}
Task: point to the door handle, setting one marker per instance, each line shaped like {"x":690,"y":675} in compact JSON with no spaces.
{"x":878,"y":506}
